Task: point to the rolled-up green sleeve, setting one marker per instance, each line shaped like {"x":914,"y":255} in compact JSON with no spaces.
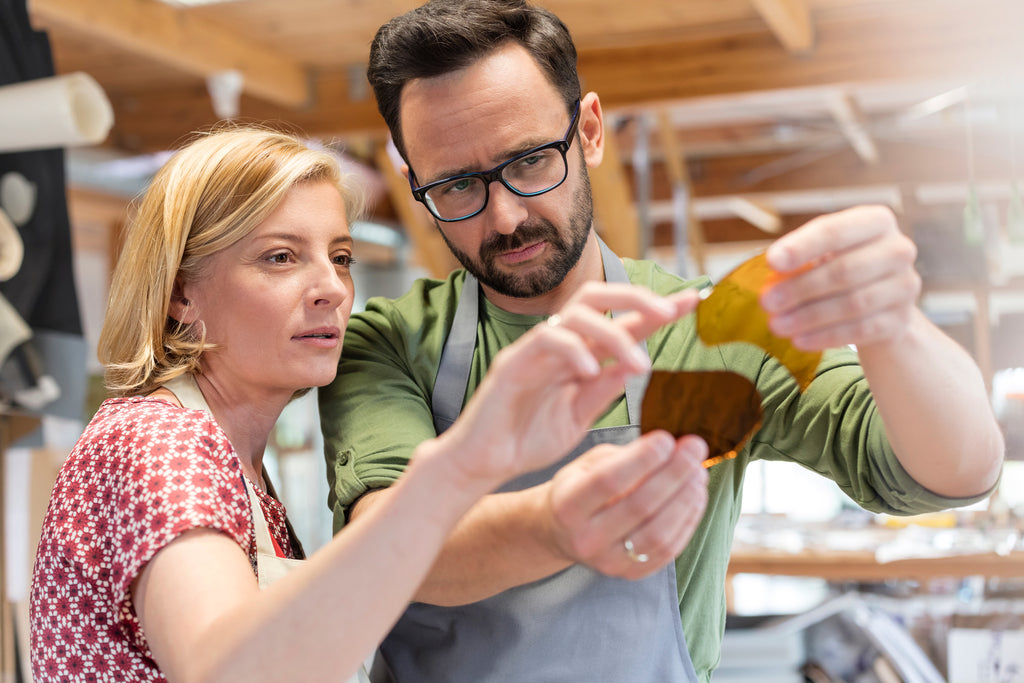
{"x":834,"y":428}
{"x":376,"y":411}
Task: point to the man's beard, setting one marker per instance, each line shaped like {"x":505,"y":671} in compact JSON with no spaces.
{"x":566,"y":250}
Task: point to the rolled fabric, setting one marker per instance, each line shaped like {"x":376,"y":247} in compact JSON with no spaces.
{"x":12,"y":249}
{"x":13,"y":330}
{"x":17,"y":197}
{"x":59,"y":111}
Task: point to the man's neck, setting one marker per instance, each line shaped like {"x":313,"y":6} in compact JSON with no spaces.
{"x":589,"y":267}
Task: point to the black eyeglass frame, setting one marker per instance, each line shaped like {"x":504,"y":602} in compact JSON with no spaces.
{"x":488,"y":177}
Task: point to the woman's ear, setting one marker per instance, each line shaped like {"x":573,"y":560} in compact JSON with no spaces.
{"x":591,"y":129}
{"x":181,"y":309}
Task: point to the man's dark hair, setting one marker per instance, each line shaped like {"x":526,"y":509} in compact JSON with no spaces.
{"x":447,"y":35}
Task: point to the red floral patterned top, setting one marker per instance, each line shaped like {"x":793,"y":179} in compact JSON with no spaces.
{"x":143,"y":472}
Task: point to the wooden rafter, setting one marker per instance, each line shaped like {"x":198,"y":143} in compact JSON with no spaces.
{"x":790,"y":21}
{"x":679,"y":175}
{"x":851,"y":123}
{"x":432,"y":252}
{"x":176,"y":38}
{"x":937,"y":158}
{"x":759,"y":214}
{"x":613,"y":206}
{"x":913,"y":46}
{"x":903,"y":43}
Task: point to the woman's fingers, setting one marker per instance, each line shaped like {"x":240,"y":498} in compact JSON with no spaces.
{"x":641,"y":324}
{"x":546,"y":389}
{"x":615,"y":338}
{"x":606,"y":339}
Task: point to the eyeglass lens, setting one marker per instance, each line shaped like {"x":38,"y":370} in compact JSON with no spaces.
{"x":535,"y":173}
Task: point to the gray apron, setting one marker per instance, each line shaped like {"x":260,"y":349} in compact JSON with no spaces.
{"x":269,"y":567}
{"x":576,"y":625}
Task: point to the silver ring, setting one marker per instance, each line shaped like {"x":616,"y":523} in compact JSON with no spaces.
{"x":555,"y":320}
{"x":631,"y":552}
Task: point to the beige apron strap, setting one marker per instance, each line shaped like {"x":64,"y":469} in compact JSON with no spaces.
{"x":261,"y":528}
{"x":269,"y":567}
{"x":188,"y":393}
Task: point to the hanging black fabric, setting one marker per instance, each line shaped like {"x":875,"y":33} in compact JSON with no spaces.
{"x":43,"y":291}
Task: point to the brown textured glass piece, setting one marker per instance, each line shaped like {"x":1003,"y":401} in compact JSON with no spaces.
{"x":719,"y":406}
{"x":732,"y":313}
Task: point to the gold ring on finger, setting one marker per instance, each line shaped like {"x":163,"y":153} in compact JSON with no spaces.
{"x":631,"y":552}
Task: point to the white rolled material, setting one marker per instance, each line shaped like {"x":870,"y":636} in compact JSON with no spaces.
{"x":60,"y":111}
{"x":12,"y":249}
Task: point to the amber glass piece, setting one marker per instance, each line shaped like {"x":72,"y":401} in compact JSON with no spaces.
{"x":732,"y":313}
{"x":719,"y":406}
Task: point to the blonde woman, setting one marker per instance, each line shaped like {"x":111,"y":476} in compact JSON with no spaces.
{"x":232,"y":294}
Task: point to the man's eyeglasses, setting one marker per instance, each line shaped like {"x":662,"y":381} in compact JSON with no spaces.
{"x":529,"y":174}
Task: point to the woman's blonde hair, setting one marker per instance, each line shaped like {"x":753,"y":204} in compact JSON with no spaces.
{"x":209,"y":195}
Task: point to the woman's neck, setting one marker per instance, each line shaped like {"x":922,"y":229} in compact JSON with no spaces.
{"x":246,"y":421}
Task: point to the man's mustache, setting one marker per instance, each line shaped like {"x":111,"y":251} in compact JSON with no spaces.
{"x":523,"y":235}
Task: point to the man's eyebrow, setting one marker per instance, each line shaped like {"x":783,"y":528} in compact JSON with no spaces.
{"x":497,"y":160}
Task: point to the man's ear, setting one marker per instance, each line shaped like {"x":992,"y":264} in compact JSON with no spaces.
{"x":591,"y":129}
{"x":181,"y":309}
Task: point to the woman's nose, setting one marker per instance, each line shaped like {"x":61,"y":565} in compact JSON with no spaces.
{"x":332,"y":286}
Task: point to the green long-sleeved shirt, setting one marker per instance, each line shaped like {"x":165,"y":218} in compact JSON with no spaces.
{"x":378,"y":410}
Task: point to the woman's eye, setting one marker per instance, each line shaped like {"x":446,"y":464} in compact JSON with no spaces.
{"x":345,"y":260}
{"x":280,"y":257}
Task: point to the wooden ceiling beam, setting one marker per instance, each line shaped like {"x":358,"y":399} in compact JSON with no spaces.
{"x":790,"y":21}
{"x":615,"y":217}
{"x":184,"y":41}
{"x":152,"y":121}
{"x":902,"y":41}
{"x":761,"y":214}
{"x":679,"y":176}
{"x":795,"y":202}
{"x":943,"y":160}
{"x":428,"y":245}
{"x":853,"y":126}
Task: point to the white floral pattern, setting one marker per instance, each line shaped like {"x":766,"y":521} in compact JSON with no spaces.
{"x":143,"y":472}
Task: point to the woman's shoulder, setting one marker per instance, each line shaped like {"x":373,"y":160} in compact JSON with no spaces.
{"x":147,"y":412}
{"x":152,"y":427}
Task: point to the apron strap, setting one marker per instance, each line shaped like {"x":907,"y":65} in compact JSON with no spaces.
{"x":264,"y":544}
{"x":452,"y":379}
{"x":189,"y":395}
{"x":456,"y":358}
{"x":614,"y":271}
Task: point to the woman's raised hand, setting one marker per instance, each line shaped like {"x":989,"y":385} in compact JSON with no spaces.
{"x":543,"y":392}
